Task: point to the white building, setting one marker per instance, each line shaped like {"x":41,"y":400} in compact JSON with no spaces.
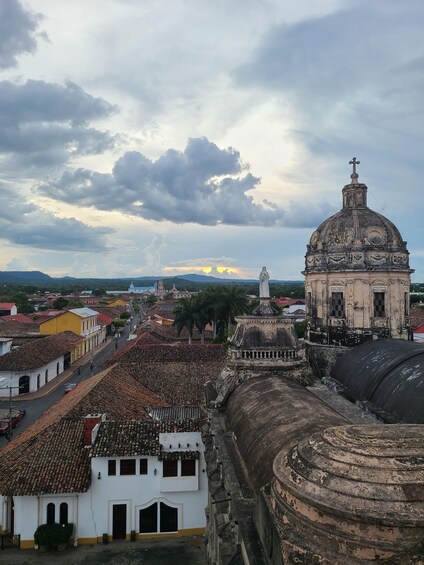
{"x":140,"y":478}
{"x":34,"y":364}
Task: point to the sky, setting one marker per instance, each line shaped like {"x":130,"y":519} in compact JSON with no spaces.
{"x":153,"y":137}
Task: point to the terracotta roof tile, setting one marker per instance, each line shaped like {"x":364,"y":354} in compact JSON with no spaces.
{"x":54,"y":462}
{"x":123,"y":439}
{"x":35,"y":354}
{"x":176,"y":373}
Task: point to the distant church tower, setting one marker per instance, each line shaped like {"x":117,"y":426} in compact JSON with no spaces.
{"x":160,"y":290}
{"x":357,"y":275}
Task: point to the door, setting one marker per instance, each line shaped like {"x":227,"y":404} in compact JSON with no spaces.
{"x":119,"y":521}
{"x":168,"y":518}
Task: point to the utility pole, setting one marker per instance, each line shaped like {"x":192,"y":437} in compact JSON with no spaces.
{"x":9,"y":434}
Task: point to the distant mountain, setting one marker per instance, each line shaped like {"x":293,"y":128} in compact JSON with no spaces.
{"x":194,"y":277}
{"x":34,"y":277}
{"x":23,"y":277}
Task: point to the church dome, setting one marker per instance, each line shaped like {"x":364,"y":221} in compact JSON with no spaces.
{"x":356,"y":238}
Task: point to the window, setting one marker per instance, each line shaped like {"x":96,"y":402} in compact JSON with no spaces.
{"x":46,"y":377}
{"x":38,"y":381}
{"x":168,"y":518}
{"x":149,"y":519}
{"x":63,"y":513}
{"x":188,"y":467}
{"x":379,"y":309}
{"x":143,"y":466}
{"x":127,"y":467}
{"x":406,"y":304}
{"x":170,"y":468}
{"x":50,"y":513}
{"x":337,"y":305}
{"x":111,"y":467}
{"x":57,"y":368}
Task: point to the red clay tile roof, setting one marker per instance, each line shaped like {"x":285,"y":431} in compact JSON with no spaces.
{"x":18,"y":329}
{"x":35,"y":354}
{"x":123,"y":439}
{"x":176,"y":373}
{"x":116,"y":394}
{"x":53,"y":462}
{"x":6,"y":305}
{"x":17,"y":318}
{"x":104,"y":319}
{"x":50,"y":456}
{"x":417,"y":316}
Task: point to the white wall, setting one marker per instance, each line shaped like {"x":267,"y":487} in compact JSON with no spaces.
{"x":91,"y":512}
{"x":12,"y":377}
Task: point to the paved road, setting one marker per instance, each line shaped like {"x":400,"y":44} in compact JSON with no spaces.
{"x":36,"y":407}
{"x":176,"y":551}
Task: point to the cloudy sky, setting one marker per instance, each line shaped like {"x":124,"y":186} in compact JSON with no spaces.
{"x":149,"y":137}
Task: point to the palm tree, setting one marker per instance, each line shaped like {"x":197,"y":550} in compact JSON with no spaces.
{"x":232,"y":302}
{"x":185,"y":317}
{"x":203,"y":313}
{"x":212,"y":299}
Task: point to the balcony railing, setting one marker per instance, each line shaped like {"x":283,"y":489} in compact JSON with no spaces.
{"x":90,"y":331}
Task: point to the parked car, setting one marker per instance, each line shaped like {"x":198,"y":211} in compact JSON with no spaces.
{"x":5,"y":417}
{"x":69,"y":387}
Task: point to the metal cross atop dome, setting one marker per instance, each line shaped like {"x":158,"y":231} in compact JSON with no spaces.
{"x":354,"y":176}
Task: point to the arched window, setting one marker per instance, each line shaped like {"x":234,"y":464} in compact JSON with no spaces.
{"x":50,"y":513}
{"x":63,"y":513}
{"x":24,"y":384}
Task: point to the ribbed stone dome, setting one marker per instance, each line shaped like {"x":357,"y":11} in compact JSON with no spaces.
{"x":352,"y":494}
{"x":356,"y":238}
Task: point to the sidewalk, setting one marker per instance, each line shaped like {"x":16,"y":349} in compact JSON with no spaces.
{"x":63,"y":377}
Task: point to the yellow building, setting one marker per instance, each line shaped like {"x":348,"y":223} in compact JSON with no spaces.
{"x":117,"y":302}
{"x":80,"y":321}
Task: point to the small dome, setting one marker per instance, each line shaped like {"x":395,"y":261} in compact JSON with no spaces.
{"x":356,"y":238}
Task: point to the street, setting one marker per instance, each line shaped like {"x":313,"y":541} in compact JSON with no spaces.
{"x":36,"y":407}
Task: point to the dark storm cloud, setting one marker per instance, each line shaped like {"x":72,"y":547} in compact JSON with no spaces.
{"x":45,"y":123}
{"x":24,"y":223}
{"x":204,"y":185}
{"x":17,"y":32}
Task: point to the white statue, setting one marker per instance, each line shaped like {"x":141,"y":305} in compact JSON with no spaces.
{"x":263,"y":283}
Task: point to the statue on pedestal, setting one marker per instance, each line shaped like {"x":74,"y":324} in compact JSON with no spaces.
{"x":264,"y":283}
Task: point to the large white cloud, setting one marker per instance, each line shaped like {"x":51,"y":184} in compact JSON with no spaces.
{"x":202,"y":184}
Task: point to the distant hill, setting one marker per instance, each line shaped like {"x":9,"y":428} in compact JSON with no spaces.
{"x":23,"y":277}
{"x":39,"y":278}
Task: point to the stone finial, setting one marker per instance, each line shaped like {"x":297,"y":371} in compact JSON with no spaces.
{"x":354,"y":176}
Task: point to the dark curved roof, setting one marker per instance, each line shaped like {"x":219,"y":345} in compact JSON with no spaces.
{"x":389,"y":375}
{"x":269,"y":413}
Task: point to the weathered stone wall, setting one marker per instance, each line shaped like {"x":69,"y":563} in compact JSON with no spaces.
{"x":322,"y":358}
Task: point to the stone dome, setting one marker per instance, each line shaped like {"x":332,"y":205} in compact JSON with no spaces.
{"x":356,"y":238}
{"x":351,"y":494}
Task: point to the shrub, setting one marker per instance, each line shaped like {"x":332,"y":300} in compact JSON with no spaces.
{"x":53,"y":534}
